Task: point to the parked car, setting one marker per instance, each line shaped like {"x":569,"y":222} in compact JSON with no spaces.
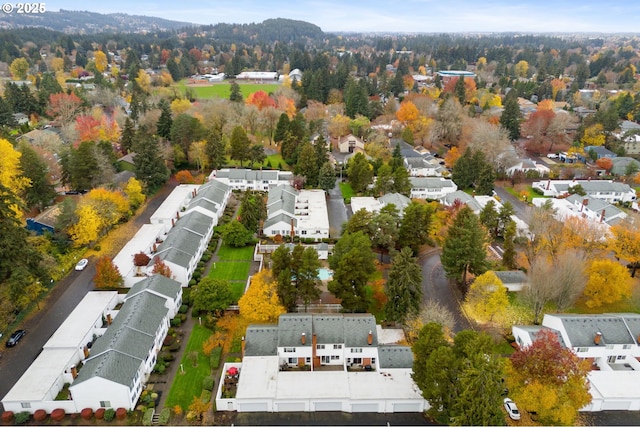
{"x":552,"y":156}
{"x":82,"y":264}
{"x":512,"y":409}
{"x":15,"y":337}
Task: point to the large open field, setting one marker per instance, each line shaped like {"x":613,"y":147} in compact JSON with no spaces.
{"x":223,"y":89}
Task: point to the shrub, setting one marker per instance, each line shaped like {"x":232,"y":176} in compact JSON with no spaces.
{"x":86,"y":413}
{"x":168,"y":340}
{"x":165,"y":414}
{"x":207,"y":383}
{"x":22,"y":417}
{"x":214,"y":358}
{"x":160,"y":367}
{"x":57,"y":414}
{"x":109,"y":414}
{"x":166,"y":356}
{"x":193,"y":282}
{"x":147,"y":417}
{"x":7,"y":417}
{"x":205,"y":396}
{"x":176,"y":321}
{"x":177,"y":409}
{"x":121,"y":414}
{"x":40,"y":415}
{"x":195,"y":312}
{"x":100,"y":413}
{"x":196,"y":275}
{"x":183,"y":309}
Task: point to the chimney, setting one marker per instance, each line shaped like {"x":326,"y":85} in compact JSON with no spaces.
{"x":173,"y":222}
{"x":303,"y":338}
{"x":109,"y":318}
{"x":178,"y":215}
{"x":155,"y":248}
{"x":86,"y":351}
{"x":370,"y":338}
{"x":597,"y":338}
{"x":194,"y":193}
{"x":243,"y":344}
{"x":314,"y":342}
{"x":293,"y":231}
{"x":74,"y":372}
{"x":548,"y":184}
{"x":602,"y":215}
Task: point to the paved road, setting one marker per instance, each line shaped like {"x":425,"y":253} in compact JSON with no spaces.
{"x":436,"y":286}
{"x":338,"y":213}
{"x":522,"y":210}
{"x":65,"y":296}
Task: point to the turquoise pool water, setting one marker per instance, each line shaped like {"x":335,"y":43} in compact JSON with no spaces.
{"x":325,"y":274}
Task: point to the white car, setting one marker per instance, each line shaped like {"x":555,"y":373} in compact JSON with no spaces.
{"x":82,"y":264}
{"x":512,"y":409}
{"x":552,"y":156}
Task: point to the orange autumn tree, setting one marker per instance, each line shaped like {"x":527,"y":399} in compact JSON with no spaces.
{"x":107,"y":274}
{"x":556,"y":86}
{"x":88,"y":128}
{"x":407,"y":113}
{"x":185,"y":177}
{"x":260,"y":99}
{"x":64,"y":107}
{"x":546,"y":105}
{"x":159,"y":267}
{"x":452,"y":157}
{"x":605,"y":163}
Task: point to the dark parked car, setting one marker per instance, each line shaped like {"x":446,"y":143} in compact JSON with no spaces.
{"x":15,"y":337}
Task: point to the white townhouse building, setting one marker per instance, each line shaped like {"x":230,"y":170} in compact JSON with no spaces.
{"x":167,"y":213}
{"x":610,"y":342}
{"x":248,"y":179}
{"x":431,"y":188}
{"x":607,"y":190}
{"x":301,"y":213}
{"x":373,"y":205}
{"x":322,"y":362}
{"x":424,"y":165}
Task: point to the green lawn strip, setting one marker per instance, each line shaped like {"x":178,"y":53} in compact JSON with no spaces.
{"x":227,"y":253}
{"x":237,"y":290}
{"x":223,"y":89}
{"x":189,"y":384}
{"x":232,"y":270}
{"x":275,"y":161}
{"x":347,"y":191}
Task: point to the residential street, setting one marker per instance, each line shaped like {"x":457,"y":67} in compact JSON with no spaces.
{"x":337,"y":210}
{"x":521,"y":209}
{"x":61,"y":301}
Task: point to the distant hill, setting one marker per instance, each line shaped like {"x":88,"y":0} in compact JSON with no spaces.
{"x":270,"y":30}
{"x":84,"y":22}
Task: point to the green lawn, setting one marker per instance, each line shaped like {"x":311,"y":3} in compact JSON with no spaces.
{"x":227,"y":253}
{"x":347,"y":192}
{"x":222,"y":90}
{"x":237,"y":290}
{"x":234,"y":270}
{"x":189,"y":384}
{"x":276,"y":161}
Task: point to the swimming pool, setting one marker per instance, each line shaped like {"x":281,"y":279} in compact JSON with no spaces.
{"x":325,"y":274}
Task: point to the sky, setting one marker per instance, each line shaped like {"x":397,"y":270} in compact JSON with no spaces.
{"x":426,"y":16}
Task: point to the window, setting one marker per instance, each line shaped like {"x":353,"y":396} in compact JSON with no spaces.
{"x":292,"y":360}
{"x":373,"y":360}
{"x":337,"y":346}
{"x":334,"y":357}
{"x":26,"y":405}
{"x":621,"y":357}
{"x":289,"y":350}
{"x":105,"y":404}
{"x":308,"y":360}
{"x":609,"y":346}
{"x":626,"y":346}
{"x":356,"y":350}
{"x":582,"y":349}
{"x":320,"y":347}
{"x":357,"y":360}
{"x":304,"y":232}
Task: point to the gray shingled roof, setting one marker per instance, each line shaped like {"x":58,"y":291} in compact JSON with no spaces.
{"x":329,"y":328}
{"x":399,"y":200}
{"x":357,"y":328}
{"x":633,"y":324}
{"x":512,"y":276}
{"x":395,"y":356}
{"x":183,"y":240}
{"x":156,"y":283}
{"x":582,"y":329}
{"x":261,"y":340}
{"x":279,"y":218}
{"x":463,"y":198}
{"x":430,"y":182}
{"x":118,"y":353}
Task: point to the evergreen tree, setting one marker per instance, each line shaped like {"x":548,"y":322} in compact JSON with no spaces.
{"x":460,"y":91}
{"x":401,"y":182}
{"x":416,"y":224}
{"x":252,"y":210}
{"x":396,"y":158}
{"x":308,"y":285}
{"x":509,"y":254}
{"x":404,"y":287}
{"x":149,"y":166}
{"x":384,"y":180}
{"x":165,"y":121}
{"x":215,"y":148}
{"x":41,"y":192}
{"x":464,"y":248}
{"x":281,"y":128}
{"x":239,"y":145}
{"x":489,"y":218}
{"x":308,"y":165}
{"x":6,"y":114}
{"x":472,"y":170}
{"x":504,"y":217}
{"x":352,"y":263}
{"x":360,"y":172}
{"x":327,"y":177}
{"x":256,"y":154}
{"x":128,"y":135}
{"x":356,"y":100}
{"x":511,"y":116}
{"x":235,"y":94}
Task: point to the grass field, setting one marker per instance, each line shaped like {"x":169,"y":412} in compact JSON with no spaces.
{"x":222,"y":90}
{"x":347,"y":192}
{"x":189,"y":384}
{"x":236,"y":270}
{"x":275,"y":161}
{"x":237,"y":290}
{"x":227,"y":253}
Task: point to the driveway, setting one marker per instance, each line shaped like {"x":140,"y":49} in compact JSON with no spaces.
{"x":64,"y":297}
{"x":337,"y":210}
{"x":436,"y":286}
{"x":521,"y":209}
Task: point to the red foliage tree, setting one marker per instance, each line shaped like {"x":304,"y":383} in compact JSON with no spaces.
{"x":185,"y":177}
{"x":64,"y":107}
{"x":88,"y":128}
{"x":100,"y":413}
{"x":261,"y":100}
{"x":141,"y":259}
{"x":121,"y":414}
{"x":605,"y":163}
{"x":159,"y":267}
{"x":107,"y":275}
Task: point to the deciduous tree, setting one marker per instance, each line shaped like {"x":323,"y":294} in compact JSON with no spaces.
{"x":19,"y":68}
{"x":625,"y":243}
{"x":430,"y":312}
{"x":159,"y":267}
{"x":212,"y":295}
{"x":107,"y":274}
{"x":550,"y":379}
{"x":609,"y":282}
{"x":236,"y":235}
{"x":360,"y":172}
{"x":133,"y":190}
{"x":261,"y":304}
{"x":487,"y":297}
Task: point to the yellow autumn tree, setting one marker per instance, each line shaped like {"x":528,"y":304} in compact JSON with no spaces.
{"x":133,"y":190}
{"x":112,"y":205}
{"x":546,"y":105}
{"x":488,"y":100}
{"x":486,"y":298}
{"x":164,"y":79}
{"x":144,"y":81}
{"x":10,"y":172}
{"x":19,"y":68}
{"x":585,"y":235}
{"x":593,"y":135}
{"x":452,"y":157}
{"x":556,"y":86}
{"x":608,"y":282}
{"x":408,"y":113}
{"x":57,"y":64}
{"x":198,"y":155}
{"x":100,"y":60}
{"x":261,"y":303}
{"x":88,"y":227}
{"x":179,"y":106}
{"x":522,"y":68}
{"x":625,"y":243}
{"x":338,"y":125}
